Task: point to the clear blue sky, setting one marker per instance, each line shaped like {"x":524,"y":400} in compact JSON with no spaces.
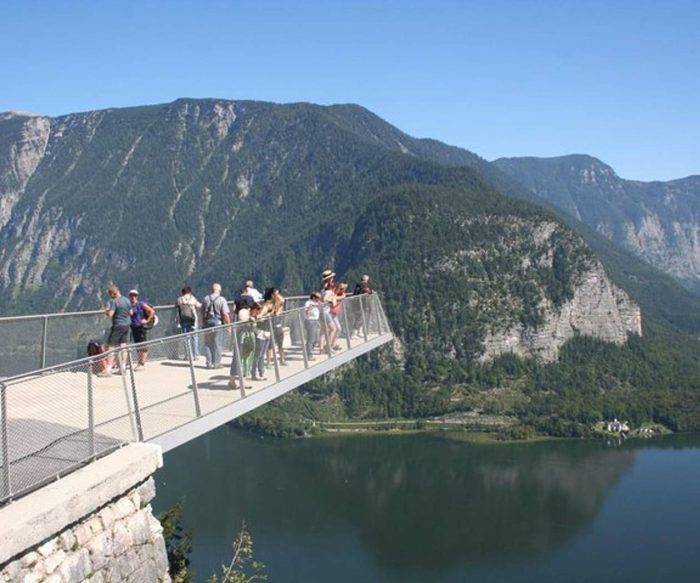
{"x":618,"y":79}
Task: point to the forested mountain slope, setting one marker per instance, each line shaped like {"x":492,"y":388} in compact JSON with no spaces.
{"x":184,"y":193}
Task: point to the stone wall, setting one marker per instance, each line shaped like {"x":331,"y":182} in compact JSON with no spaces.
{"x":116,"y":541}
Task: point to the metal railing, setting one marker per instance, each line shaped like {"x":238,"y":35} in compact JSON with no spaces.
{"x":59,"y":418}
{"x":37,"y":341}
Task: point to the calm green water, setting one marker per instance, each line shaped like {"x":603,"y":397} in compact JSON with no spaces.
{"x":426,"y":508}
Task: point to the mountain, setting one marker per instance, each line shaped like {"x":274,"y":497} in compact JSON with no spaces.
{"x":658,"y":221}
{"x":486,"y":291}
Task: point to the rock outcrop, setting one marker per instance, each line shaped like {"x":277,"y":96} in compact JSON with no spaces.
{"x":598,"y":308}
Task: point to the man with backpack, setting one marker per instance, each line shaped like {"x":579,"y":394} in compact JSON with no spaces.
{"x":216,"y":313}
{"x":186,"y":309}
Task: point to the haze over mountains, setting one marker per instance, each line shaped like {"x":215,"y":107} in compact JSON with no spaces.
{"x":658,"y":221}
{"x":196,"y":190}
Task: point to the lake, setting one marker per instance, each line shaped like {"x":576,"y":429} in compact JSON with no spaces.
{"x":426,"y":507}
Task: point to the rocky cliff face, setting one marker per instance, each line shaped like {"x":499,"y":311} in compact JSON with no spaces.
{"x":658,"y":221}
{"x":598,"y":308}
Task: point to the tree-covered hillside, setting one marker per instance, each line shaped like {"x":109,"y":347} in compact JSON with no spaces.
{"x":199,"y":190}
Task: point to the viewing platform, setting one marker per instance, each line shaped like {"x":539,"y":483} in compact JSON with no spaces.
{"x":60,"y":418}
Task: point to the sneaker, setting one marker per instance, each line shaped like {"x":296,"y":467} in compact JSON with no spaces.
{"x":104,"y":374}
{"x":118,"y":371}
{"x":337,"y":347}
{"x":232,"y":384}
{"x":312,"y":357}
{"x":139,"y":367}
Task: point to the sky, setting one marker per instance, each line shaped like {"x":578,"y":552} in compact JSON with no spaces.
{"x":616,"y":79}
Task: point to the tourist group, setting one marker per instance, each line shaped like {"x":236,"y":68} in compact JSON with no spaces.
{"x":260,"y":313}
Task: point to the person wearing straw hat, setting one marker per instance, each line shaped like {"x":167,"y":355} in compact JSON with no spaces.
{"x":328,"y":298}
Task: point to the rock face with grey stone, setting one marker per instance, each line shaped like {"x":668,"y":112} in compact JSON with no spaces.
{"x":598,"y":308}
{"x":658,"y":221}
{"x":121,"y":542}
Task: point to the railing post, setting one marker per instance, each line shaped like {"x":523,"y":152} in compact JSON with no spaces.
{"x":302,"y":330}
{"x":364,"y":316}
{"x":195,"y":388}
{"x":376,"y":309}
{"x":118,"y":352}
{"x":44,"y":336}
{"x":91,"y":411}
{"x":137,"y":411}
{"x":385,"y":320}
{"x":273,"y":345}
{"x":343,"y":309}
{"x":237,"y":360}
{"x":5,"y":482}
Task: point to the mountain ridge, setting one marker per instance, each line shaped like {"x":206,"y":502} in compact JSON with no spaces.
{"x":659,"y":221}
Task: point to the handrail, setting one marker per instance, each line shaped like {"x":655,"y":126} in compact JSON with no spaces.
{"x":101,"y":312}
{"x":43,"y":342}
{"x":143,"y":345}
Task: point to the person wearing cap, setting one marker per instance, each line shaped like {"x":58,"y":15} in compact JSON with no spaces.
{"x":119,"y":310}
{"x":141,"y":314}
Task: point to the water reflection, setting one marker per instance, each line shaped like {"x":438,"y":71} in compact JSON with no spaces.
{"x":413,"y":503}
{"x":419,"y":504}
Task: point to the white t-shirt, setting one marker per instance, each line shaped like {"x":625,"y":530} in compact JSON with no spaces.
{"x":253,"y":293}
{"x":312,"y":310}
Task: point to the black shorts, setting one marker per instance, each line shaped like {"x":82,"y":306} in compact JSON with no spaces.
{"x":279,"y":335}
{"x":139,"y":333}
{"x":118,"y":335}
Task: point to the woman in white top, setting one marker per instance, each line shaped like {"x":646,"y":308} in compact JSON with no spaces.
{"x":312,"y":311}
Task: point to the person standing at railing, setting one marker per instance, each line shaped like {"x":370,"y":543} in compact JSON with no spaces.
{"x":312,"y":313}
{"x":274,"y":298}
{"x":216,"y":313}
{"x":119,"y":309}
{"x":245,"y":334}
{"x":336,"y":307}
{"x":253,"y":292}
{"x":262,"y":339}
{"x":186,"y":308}
{"x":141,"y":314}
{"x":361,"y":289}
{"x":328,"y":298}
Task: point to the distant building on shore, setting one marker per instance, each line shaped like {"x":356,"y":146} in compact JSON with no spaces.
{"x":616,"y":426}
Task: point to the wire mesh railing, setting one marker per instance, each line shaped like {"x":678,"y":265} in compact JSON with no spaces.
{"x":61,"y":417}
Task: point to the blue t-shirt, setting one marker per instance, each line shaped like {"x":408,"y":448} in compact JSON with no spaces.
{"x":120,"y":306}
